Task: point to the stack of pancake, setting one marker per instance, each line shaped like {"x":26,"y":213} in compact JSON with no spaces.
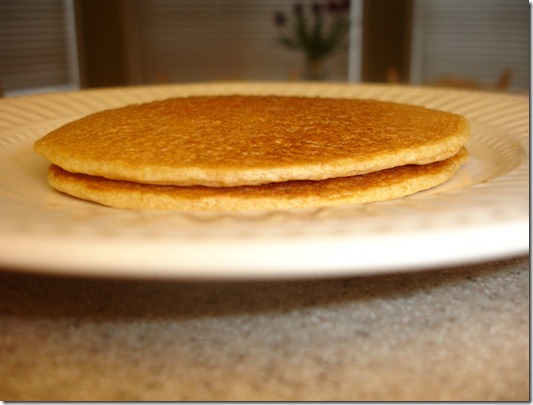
{"x":254,"y":152}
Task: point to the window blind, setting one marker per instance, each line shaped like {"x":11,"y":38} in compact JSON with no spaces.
{"x":480,"y":41}
{"x":37,"y":45}
{"x":180,"y":41}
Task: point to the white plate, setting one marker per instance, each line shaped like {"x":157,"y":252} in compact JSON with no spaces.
{"x":480,"y":214}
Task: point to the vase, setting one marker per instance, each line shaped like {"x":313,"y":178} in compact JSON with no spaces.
{"x":315,"y":70}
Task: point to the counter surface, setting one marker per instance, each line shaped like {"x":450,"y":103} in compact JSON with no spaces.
{"x":458,"y":333}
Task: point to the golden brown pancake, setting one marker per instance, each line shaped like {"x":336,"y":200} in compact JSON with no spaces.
{"x":225,"y":141}
{"x":377,"y":186}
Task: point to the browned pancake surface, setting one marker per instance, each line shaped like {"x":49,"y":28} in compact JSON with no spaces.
{"x":249,"y":140}
{"x":378,"y":186}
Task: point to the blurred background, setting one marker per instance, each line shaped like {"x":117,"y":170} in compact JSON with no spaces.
{"x":57,"y":45}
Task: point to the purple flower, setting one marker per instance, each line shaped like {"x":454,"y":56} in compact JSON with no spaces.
{"x":344,"y":5}
{"x":279,"y":19}
{"x":298,"y":9}
{"x":333,"y":7}
{"x":324,"y":34}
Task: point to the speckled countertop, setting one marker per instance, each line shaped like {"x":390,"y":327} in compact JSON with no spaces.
{"x":459,"y":333}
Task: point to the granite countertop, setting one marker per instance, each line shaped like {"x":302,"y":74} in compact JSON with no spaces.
{"x":458,"y":333}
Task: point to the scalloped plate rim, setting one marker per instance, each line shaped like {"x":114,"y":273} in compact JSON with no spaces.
{"x":291,"y":253}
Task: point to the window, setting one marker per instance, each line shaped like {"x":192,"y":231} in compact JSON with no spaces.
{"x":180,"y":41}
{"x":38,"y":46}
{"x":481,"y":43}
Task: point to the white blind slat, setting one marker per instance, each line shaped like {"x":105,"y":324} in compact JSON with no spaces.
{"x":36,"y":45}
{"x":474,"y":39}
{"x":181,"y":41}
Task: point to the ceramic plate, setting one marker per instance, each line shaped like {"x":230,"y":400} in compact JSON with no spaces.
{"x":482,"y":213}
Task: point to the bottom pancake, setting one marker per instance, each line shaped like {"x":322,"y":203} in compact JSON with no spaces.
{"x":378,"y":186}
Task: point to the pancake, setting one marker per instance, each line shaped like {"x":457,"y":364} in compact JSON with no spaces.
{"x":226,"y":141}
{"x":377,"y":186}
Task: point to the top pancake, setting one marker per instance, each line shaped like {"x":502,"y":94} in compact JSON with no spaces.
{"x":251,"y":140}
